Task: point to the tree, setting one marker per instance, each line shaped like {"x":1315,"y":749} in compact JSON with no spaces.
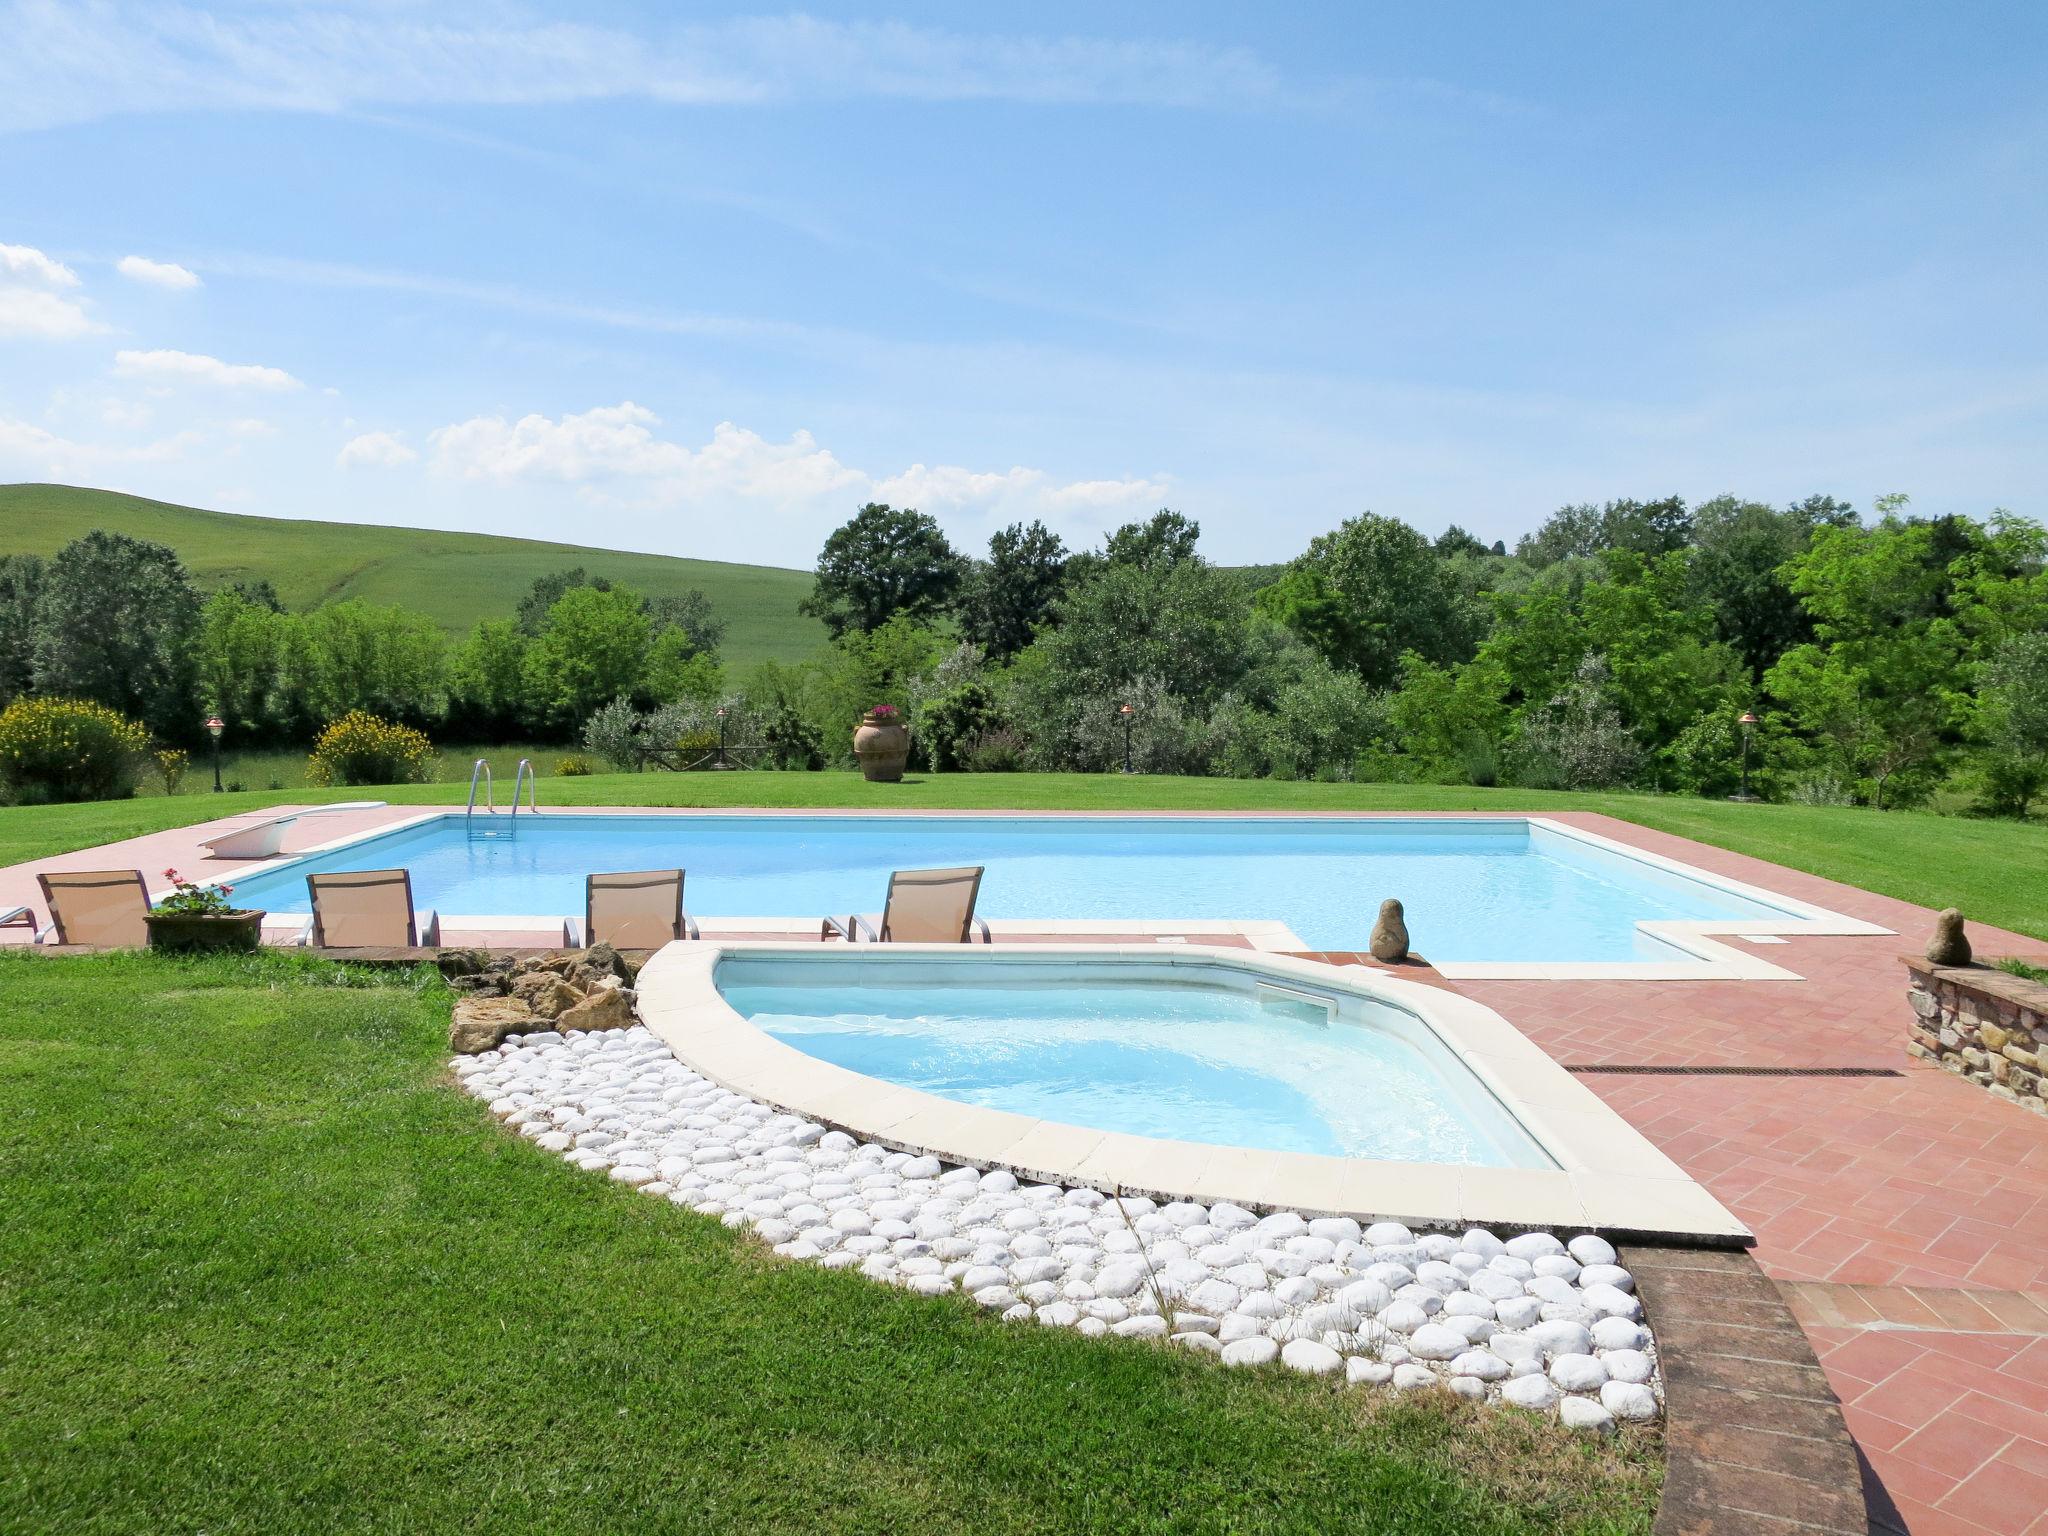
{"x":690,"y":614}
{"x":2013,"y":715}
{"x":21,"y":589}
{"x":1647,"y":527}
{"x":588,"y":653}
{"x":676,"y":669}
{"x":546,"y":591}
{"x":882,"y":563}
{"x":487,"y":681}
{"x":1368,"y":593}
{"x":114,"y":624}
{"x":1165,"y":538}
{"x":1008,"y":596}
{"x":1454,"y":540}
{"x":1741,"y":549}
{"x":1576,"y":740}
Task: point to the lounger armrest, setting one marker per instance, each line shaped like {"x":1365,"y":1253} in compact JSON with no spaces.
{"x":18,"y":917}
{"x":690,"y":927}
{"x":304,"y":937}
{"x":430,"y":930}
{"x":982,"y":926}
{"x":572,"y":933}
{"x":850,"y":930}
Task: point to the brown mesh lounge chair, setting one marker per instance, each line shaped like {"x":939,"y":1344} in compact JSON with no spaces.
{"x":631,"y":909}
{"x":925,"y":906}
{"x":367,"y":909}
{"x":95,"y":906}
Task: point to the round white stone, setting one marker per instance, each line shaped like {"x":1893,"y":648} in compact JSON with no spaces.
{"x":1607,"y":1301}
{"x":1360,"y":1371}
{"x":1480,"y":1363}
{"x":1561,"y":1338}
{"x":1533,"y":1392}
{"x":1619,"y":1333}
{"x":1584,"y":1413}
{"x":1468,"y":1386}
{"x":1607,"y":1274}
{"x":1409,"y":1377}
{"x":1383,"y":1234}
{"x":1626,"y":1365}
{"x":1433,"y":1341}
{"x":1140,"y":1328}
{"x":1533,"y":1245}
{"x":1309,"y":1356}
{"x":1588,"y":1248}
{"x":1629,"y":1400}
{"x":1252,"y":1350}
{"x":1578,"y":1373}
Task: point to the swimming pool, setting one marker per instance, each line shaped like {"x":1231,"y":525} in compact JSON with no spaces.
{"x":1493,"y":889}
{"x":1193,"y":1052}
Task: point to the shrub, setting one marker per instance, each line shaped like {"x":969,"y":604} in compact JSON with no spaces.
{"x":1000,"y":751}
{"x":361,"y":748}
{"x":2008,"y":783}
{"x":54,"y":751}
{"x":574,"y":766}
{"x":1577,"y":740}
{"x":170,"y":764}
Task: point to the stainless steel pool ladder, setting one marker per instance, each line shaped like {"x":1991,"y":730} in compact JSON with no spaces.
{"x":482,"y":773}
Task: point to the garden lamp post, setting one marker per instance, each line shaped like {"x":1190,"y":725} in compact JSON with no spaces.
{"x":214,"y":726}
{"x":1126,"y":711}
{"x":721,"y":739}
{"x":1748,"y":724}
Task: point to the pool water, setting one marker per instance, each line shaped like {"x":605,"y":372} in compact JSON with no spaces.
{"x":1208,"y":1054}
{"x":1499,"y":889}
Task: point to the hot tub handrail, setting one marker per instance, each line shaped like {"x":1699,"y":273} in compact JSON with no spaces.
{"x":483,"y":770}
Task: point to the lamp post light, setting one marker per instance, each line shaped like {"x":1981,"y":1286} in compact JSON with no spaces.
{"x":1748,"y":723}
{"x":214,"y":726}
{"x":1126,"y":711}
{"x":722,"y":763}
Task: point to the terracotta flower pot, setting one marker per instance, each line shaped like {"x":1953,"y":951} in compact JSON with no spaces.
{"x":204,"y":930}
{"x":883,"y":747}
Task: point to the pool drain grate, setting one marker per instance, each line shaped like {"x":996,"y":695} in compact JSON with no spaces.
{"x":1623,"y":1071}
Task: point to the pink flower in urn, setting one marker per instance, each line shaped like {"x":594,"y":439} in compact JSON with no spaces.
{"x":883,"y":711}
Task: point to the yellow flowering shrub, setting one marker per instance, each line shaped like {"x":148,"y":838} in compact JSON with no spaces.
{"x":361,"y":748}
{"x":59,"y":750}
{"x":574,"y":766}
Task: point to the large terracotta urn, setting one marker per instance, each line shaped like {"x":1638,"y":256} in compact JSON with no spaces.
{"x":882,"y":745}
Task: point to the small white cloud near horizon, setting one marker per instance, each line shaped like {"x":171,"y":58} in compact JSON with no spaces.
{"x":383,"y":450}
{"x":29,"y":306}
{"x":23,"y":443}
{"x":157,"y":274}
{"x":165,"y":364}
{"x":613,"y":454}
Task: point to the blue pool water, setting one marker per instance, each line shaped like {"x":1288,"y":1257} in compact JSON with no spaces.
{"x":1474,"y":890}
{"x":1191,"y":1053}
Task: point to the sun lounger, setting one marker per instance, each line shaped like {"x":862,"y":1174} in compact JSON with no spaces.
{"x":367,"y":909}
{"x":18,"y":917}
{"x":925,"y":906}
{"x":265,"y":839}
{"x":632,"y":909}
{"x":95,"y":906}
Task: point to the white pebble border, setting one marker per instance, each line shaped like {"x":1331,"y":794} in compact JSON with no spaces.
{"x":1532,"y":1321}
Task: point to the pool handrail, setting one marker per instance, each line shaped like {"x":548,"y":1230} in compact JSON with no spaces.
{"x":483,"y":769}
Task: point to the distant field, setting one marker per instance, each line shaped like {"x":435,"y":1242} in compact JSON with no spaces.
{"x":456,"y":578}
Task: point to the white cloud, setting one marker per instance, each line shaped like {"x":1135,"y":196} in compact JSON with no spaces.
{"x":252,"y":426}
{"x":166,"y":365}
{"x":158,"y":274}
{"x":31,"y":449}
{"x":614,"y":456}
{"x":28,"y":307}
{"x":28,"y":264}
{"x":69,"y":64}
{"x":382,"y":449}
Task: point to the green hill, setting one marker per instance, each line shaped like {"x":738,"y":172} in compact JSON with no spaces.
{"x":457,"y":578}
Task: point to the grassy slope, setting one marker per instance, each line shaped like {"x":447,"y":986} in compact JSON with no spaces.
{"x":1992,"y":870}
{"x":456,"y":578}
{"x":266,"y":1271}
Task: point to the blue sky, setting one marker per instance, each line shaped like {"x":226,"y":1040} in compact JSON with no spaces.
{"x":702,"y":281}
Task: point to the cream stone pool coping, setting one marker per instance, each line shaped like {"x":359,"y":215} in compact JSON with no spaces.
{"x":1697,"y":953}
{"x":1608,"y":1178}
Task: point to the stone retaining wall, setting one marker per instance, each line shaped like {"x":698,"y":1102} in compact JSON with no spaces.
{"x":1984,"y":1024}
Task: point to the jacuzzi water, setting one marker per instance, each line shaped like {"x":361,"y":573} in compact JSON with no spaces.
{"x":1475,"y":890}
{"x":1188,"y":1052}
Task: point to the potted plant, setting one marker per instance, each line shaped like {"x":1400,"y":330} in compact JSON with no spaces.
{"x":201,"y":917}
{"x":882,"y":745}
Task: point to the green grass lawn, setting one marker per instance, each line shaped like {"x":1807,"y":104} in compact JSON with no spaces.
{"x":1990,"y":869}
{"x":267,"y":1270}
{"x":453,"y":578}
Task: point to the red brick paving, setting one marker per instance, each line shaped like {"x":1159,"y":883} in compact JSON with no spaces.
{"x":1915,"y":1207}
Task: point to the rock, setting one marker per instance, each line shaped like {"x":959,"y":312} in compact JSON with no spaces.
{"x":1390,"y":934}
{"x":1479,"y":1241}
{"x":1409,"y":1377}
{"x":1468,"y":1386}
{"x":1237,"y":1326}
{"x":1584,"y":1413}
{"x":482,"y":1023}
{"x":1360,"y":1371}
{"x":1481,"y":1364}
{"x":1531,"y":1392}
{"x":1061,"y":1314}
{"x":1591,"y":1249}
{"x":1626,"y":1365}
{"x":1257,"y":1350}
{"x":1629,"y":1400}
{"x":602,"y":957}
{"x":1387,"y":1234}
{"x":462,"y":962}
{"x":1119,"y":1280}
{"x":1533,"y":1245}
{"x":1309,"y":1356}
{"x":1607,"y":1274}
{"x":1140,"y":1328}
{"x":1403,"y":1317}
{"x":1433,"y":1341}
{"x":1607,"y":1301}
{"x":1578,"y":1373}
{"x":606,"y":1008}
{"x":1949,"y":945}
{"x":1517,"y":1311}
{"x":1618,"y":1333}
